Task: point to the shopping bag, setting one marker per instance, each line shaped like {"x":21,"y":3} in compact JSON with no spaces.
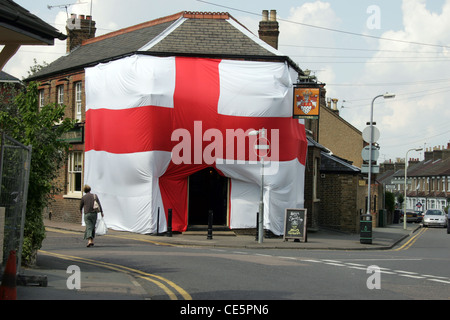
{"x":101,"y":229}
{"x":96,"y":207}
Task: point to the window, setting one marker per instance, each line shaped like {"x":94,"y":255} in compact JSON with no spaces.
{"x":41,"y":99}
{"x":60,"y":93}
{"x":78,"y":101}
{"x":75,"y":169}
{"x":315,"y":177}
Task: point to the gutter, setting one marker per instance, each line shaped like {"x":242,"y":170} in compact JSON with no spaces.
{"x":171,"y":54}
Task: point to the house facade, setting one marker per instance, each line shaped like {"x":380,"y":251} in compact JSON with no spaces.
{"x":339,"y":136}
{"x":427,"y":183}
{"x":201,"y":35}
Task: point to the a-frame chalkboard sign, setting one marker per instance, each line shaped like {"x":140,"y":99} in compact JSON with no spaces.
{"x":295,"y":224}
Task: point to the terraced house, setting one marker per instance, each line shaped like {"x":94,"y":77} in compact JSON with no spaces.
{"x":428,"y":181}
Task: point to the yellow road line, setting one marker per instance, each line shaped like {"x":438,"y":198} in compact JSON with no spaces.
{"x":171,"y":295}
{"x":61,"y":230}
{"x":130,"y":237}
{"x":411,"y":241}
{"x":127,"y":237}
{"x":144,"y":275}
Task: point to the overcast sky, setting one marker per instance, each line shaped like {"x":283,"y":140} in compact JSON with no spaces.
{"x":359,"y":48}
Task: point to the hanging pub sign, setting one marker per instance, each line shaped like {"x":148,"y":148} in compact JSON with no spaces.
{"x":295,"y":224}
{"x":306,"y":102}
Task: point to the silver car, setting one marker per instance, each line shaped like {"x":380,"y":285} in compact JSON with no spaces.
{"x":435,"y":217}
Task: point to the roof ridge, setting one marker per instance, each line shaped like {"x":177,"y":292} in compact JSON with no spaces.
{"x":205,"y":15}
{"x":146,"y":24}
{"x":173,"y":17}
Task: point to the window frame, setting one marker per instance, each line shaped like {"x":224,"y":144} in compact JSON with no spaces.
{"x":75,"y":166}
{"x":78,"y":101}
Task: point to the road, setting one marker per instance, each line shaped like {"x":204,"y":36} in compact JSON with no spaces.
{"x":417,"y":269}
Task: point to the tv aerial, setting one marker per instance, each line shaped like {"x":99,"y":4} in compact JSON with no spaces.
{"x":64,"y":6}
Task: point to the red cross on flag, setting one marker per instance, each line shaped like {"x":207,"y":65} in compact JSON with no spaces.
{"x":151,"y":122}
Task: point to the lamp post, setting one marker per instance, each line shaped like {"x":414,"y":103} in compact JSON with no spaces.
{"x":262,"y":135}
{"x":385,"y":96}
{"x":405,"y":217}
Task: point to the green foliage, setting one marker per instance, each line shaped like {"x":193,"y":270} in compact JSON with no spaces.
{"x":390,"y":201}
{"x":21,"y":119}
{"x":36,"y":67}
{"x":400,"y":199}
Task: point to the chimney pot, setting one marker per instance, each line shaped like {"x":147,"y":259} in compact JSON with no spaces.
{"x":273,"y":15}
{"x":265,"y":15}
{"x":335,"y":101}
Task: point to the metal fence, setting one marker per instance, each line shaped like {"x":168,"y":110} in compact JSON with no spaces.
{"x":15,"y":159}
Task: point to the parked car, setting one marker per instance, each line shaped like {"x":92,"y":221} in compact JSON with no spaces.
{"x":435,"y":217}
{"x":419,"y":216}
{"x":412,"y":216}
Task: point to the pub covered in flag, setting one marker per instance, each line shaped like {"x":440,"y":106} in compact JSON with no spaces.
{"x":167,"y":112}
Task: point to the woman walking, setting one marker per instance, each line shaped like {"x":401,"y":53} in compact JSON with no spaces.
{"x":90,"y":214}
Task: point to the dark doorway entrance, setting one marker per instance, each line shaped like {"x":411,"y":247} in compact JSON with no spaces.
{"x":207,"y":190}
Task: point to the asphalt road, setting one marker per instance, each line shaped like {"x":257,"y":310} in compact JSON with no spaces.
{"x":119,"y":268}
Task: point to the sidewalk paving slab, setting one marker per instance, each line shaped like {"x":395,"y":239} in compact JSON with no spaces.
{"x":382,"y":238}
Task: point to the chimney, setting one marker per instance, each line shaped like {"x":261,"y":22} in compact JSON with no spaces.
{"x":335,"y":101}
{"x":79,"y":29}
{"x":413,"y":161}
{"x":268,"y":28}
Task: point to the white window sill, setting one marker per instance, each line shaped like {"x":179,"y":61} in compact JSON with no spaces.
{"x":73,"y":196}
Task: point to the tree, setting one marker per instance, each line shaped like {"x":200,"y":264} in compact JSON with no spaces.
{"x":390,"y":201}
{"x":400,"y":199}
{"x":22,"y":119}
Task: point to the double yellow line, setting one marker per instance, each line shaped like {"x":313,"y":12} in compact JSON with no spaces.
{"x":411,"y":241}
{"x":169,"y":287}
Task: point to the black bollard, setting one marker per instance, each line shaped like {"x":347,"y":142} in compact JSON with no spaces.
{"x":257,"y":229}
{"x":169,"y":223}
{"x":210,"y":224}
{"x":157,"y":224}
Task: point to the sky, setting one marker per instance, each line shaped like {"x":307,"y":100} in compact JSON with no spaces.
{"x":359,"y":48}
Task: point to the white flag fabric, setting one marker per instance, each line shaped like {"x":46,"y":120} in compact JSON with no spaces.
{"x":151,"y":122}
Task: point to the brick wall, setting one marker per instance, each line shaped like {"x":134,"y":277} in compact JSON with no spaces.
{"x":340,"y":137}
{"x":311,"y":205}
{"x":342,"y":200}
{"x":64,"y":208}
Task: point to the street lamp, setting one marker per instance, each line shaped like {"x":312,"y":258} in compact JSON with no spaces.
{"x":262,"y":135}
{"x":385,"y":96}
{"x":405,"y":217}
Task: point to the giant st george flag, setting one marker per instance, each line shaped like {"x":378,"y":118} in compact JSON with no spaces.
{"x":151,"y":122}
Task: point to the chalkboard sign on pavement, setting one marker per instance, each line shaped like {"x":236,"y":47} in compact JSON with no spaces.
{"x":295,"y":224}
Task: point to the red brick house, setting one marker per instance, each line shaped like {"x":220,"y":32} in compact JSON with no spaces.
{"x":204,"y":35}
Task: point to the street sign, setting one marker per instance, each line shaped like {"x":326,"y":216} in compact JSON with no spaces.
{"x":365,"y":153}
{"x":365,"y":168}
{"x":366,"y":134}
{"x":401,"y":182}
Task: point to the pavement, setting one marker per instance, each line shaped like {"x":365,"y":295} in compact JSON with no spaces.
{"x":104,"y":284}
